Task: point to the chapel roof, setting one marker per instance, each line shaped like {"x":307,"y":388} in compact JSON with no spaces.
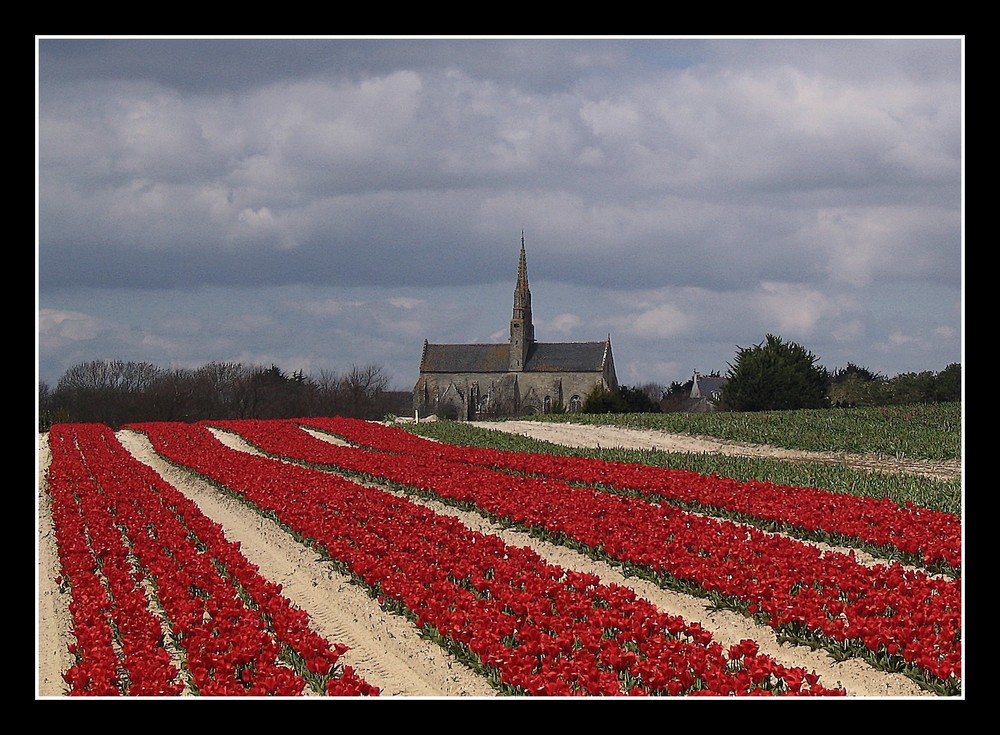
{"x":494,"y":358}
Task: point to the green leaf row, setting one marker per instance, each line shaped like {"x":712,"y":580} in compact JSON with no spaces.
{"x":918,"y":431}
{"x":942,"y":495}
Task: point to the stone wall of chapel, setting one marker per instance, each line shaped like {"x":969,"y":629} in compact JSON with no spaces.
{"x":532,"y":390}
{"x":551,"y":384}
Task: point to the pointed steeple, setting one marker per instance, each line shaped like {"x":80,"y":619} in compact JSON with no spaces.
{"x":522,"y":295}
{"x":522,"y":331}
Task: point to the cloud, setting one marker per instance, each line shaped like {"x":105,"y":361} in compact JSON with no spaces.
{"x":686,"y":195}
{"x":862,"y":246}
{"x":564,"y":323}
{"x":793,"y":309}
{"x":660,"y":322}
{"x":56,"y":326}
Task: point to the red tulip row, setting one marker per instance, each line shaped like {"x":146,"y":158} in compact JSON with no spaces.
{"x":931,"y":536}
{"x":118,"y":639}
{"x":532,"y":627}
{"x":141,"y":560}
{"x":895,"y":618}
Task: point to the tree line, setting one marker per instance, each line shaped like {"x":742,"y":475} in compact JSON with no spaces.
{"x":776,"y":375}
{"x":772,"y":375}
{"x":116,"y":392}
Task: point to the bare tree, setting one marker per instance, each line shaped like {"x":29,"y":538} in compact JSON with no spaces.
{"x":220,"y":390}
{"x":50,"y":408}
{"x":655,"y":391}
{"x":173,"y":397}
{"x":105,"y":391}
{"x":116,"y":392}
{"x":361,"y":390}
{"x":326,"y":394}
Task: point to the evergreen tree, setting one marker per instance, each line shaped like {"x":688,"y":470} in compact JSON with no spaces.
{"x":602,"y":400}
{"x":637,"y":400}
{"x":775,"y":376}
{"x":858,"y":386}
{"x":948,"y":384}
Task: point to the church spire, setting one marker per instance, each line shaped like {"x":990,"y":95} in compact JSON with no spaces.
{"x":522,"y":331}
{"x":522,"y":294}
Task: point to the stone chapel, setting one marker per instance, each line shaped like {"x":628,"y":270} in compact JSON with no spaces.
{"x":468,"y":382}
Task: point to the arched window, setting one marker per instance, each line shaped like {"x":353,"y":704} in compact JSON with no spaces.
{"x":548,"y":404}
{"x":575,"y":404}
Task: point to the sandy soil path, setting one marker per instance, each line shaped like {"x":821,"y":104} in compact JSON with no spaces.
{"x":385,"y":649}
{"x":577,"y":435}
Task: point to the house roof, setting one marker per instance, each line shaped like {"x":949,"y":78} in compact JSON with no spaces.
{"x":710,"y":384}
{"x":495,"y":358}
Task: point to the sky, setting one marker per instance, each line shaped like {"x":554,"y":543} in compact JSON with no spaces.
{"x":324,"y":203}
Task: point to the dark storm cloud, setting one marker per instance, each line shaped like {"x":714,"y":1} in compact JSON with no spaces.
{"x":206,"y":65}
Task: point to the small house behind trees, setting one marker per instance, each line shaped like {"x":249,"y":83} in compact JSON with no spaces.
{"x":700,"y":394}
{"x":706,"y":392}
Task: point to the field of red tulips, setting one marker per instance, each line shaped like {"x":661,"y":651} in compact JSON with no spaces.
{"x":336,"y":557}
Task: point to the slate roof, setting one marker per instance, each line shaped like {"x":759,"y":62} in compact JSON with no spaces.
{"x":707,"y":385}
{"x":565,"y":357}
{"x":476,"y":358}
{"x":495,"y":358}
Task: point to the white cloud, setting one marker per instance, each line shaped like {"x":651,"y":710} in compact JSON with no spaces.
{"x":159,"y":343}
{"x":406,"y":302}
{"x":898,"y":339}
{"x":327,"y":307}
{"x":564,"y":323}
{"x":848,"y":331}
{"x":660,"y":322}
{"x":56,"y":326}
{"x":864,"y":245}
{"x":794,"y":310}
